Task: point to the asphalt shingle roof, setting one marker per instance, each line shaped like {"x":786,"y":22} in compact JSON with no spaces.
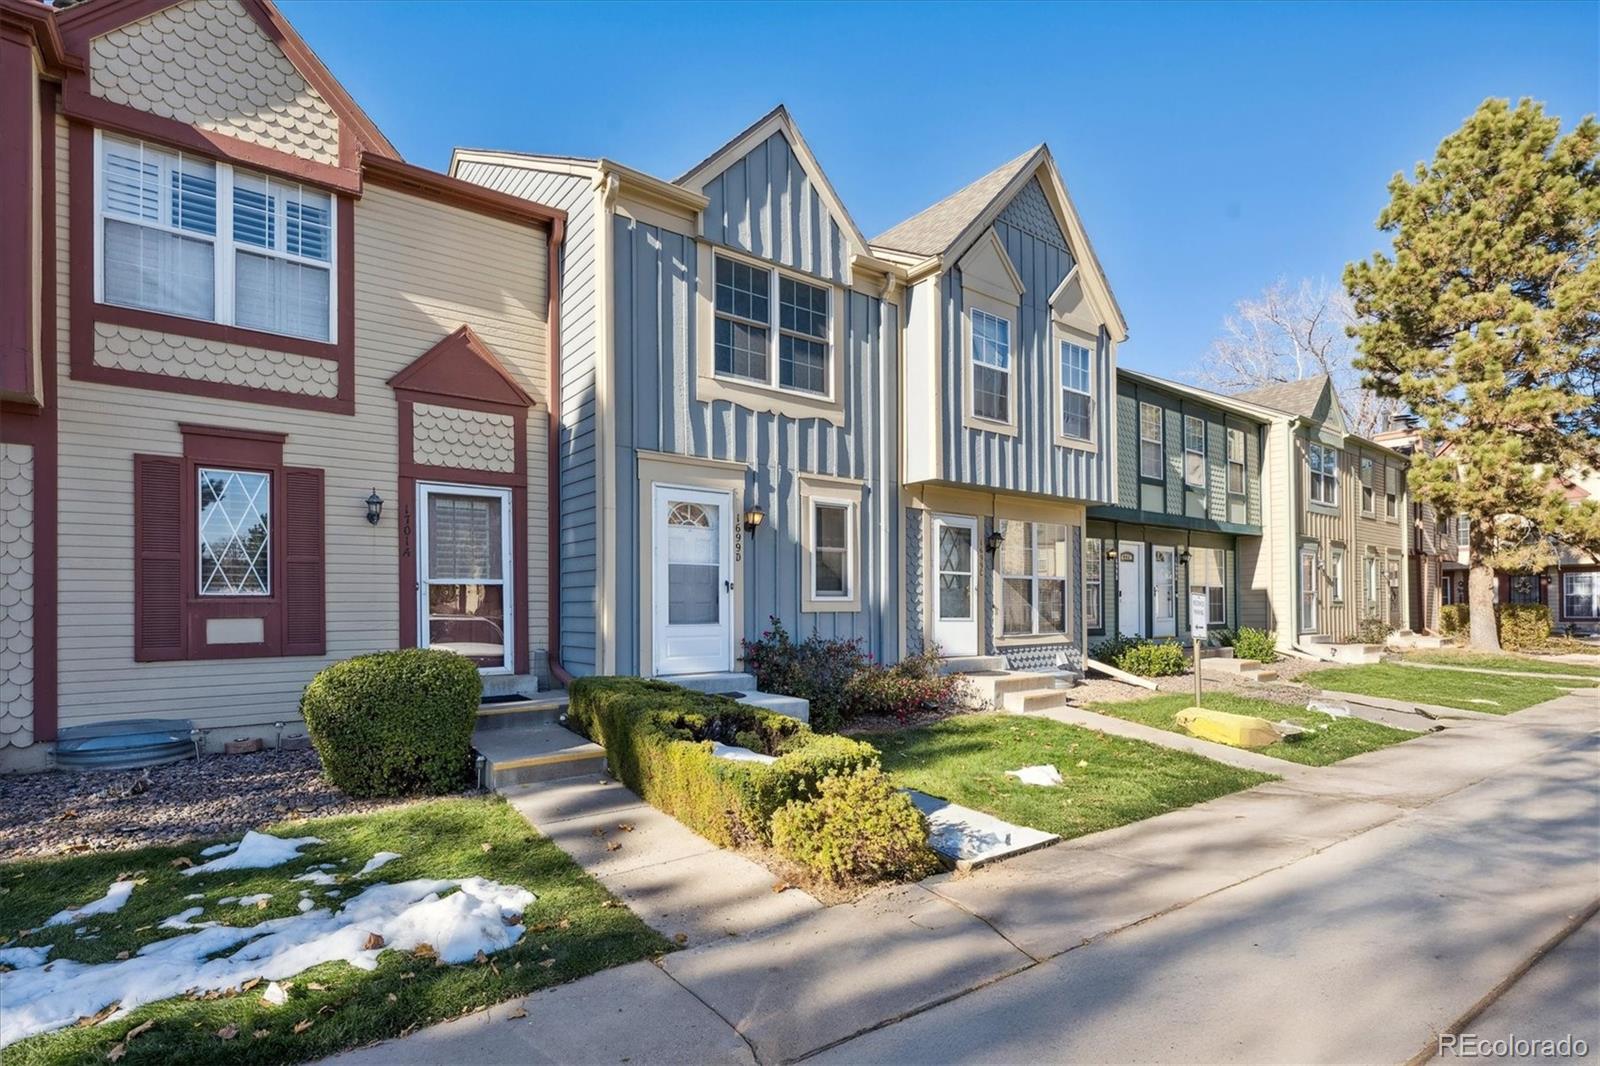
{"x":1294,"y":397}
{"x":932,"y":230}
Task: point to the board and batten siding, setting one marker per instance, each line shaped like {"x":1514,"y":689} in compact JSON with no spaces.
{"x":657,"y":410}
{"x":1029,"y":461}
{"x":766,"y":204}
{"x":578,"y":438}
{"x":421,"y":270}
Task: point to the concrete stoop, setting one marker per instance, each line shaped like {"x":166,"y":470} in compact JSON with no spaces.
{"x":545,"y":751}
{"x":1357,"y":653}
{"x":1244,"y":669}
{"x":1405,"y":640}
{"x":1019,"y":691}
{"x":972,"y":664}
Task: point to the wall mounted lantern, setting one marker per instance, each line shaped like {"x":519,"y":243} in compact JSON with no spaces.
{"x":753,"y":518}
{"x":374,"y":507}
{"x":993,"y":541}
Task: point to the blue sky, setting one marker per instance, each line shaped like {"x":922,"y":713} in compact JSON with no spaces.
{"x":1211,"y":148}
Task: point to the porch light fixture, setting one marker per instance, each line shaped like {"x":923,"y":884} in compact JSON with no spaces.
{"x":753,"y":518}
{"x":1183,"y":557}
{"x":994,"y":540}
{"x":1111,"y":554}
{"x":374,"y":507}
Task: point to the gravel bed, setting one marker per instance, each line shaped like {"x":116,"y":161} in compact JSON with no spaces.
{"x":1095,"y":688}
{"x":61,"y":812}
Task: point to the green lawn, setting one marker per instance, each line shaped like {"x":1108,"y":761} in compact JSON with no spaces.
{"x":1331,"y":739}
{"x":1484,"y":660}
{"x":1442,"y":688}
{"x":573,"y":928}
{"x":1109,"y":781}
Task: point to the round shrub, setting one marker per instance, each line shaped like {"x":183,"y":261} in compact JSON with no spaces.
{"x":1144,"y":658}
{"x":1255,"y":644}
{"x":395,"y":723}
{"x":859,"y":829}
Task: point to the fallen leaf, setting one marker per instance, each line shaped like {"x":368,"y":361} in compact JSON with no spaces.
{"x":95,"y":1019}
{"x":372,"y":943}
{"x":316,"y":987}
{"x":480,"y":958}
{"x":609,"y":903}
{"x":1082,"y":763}
{"x":141,"y":1029}
{"x":781,"y":886}
{"x":626,"y":827}
{"x":326,"y":1008}
{"x":511,"y":919}
{"x":487,"y":847}
{"x":682,"y":938}
{"x":612,"y":845}
{"x":261,"y":904}
{"x":598,"y":831}
{"x":393,"y":998}
{"x":302,"y":1025}
{"x":517,"y":1013}
{"x":248,"y":985}
{"x":228,"y":1032}
{"x":259,"y":1033}
{"x":182,"y":862}
{"x":116,"y":1052}
{"x":68,"y":813}
{"x":565,"y":923}
{"x":408,"y":975}
{"x":547,"y":963}
{"x":425,"y":951}
{"x":121,"y":955}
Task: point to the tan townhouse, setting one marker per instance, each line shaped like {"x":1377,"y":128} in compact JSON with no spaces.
{"x":272,"y":396}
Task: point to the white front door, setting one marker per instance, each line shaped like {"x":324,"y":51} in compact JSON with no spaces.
{"x":692,"y":581}
{"x":1163,"y":591}
{"x":1130,"y":588}
{"x":955,"y":584}
{"x":465,"y":598}
{"x":1309,"y":555}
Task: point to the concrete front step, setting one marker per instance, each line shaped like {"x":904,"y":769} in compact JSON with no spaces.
{"x":520,"y":755}
{"x":1032,"y":701}
{"x":507,"y":684}
{"x":990,"y":686}
{"x":720,"y":683}
{"x":967,"y":664}
{"x":1357,"y":653}
{"x":1243,"y":669}
{"x":544,"y":709}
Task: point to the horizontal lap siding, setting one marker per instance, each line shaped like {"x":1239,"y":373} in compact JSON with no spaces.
{"x":657,"y":410}
{"x":421,"y":271}
{"x":578,"y":447}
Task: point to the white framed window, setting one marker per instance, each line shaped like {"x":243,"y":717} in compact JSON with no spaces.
{"x":1207,"y":568}
{"x":771,"y":328}
{"x":1322,"y":471}
{"x":234,"y":527}
{"x":1371,"y":583}
{"x":1580,"y":595}
{"x":1093,"y":583}
{"x":1033,"y":574}
{"x":1463,"y":531}
{"x":1367,"y":490}
{"x":832,"y":568}
{"x":182,"y":235}
{"x":991,"y":366}
{"x":1194,"y":451}
{"x":1235,"y":462}
{"x":1150,"y":442}
{"x":1076,"y":395}
{"x":1336,"y":565}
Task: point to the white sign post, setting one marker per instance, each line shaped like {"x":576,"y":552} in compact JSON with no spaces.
{"x":1199,"y":614}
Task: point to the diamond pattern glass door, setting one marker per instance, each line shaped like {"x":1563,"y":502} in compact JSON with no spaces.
{"x":235,"y":533}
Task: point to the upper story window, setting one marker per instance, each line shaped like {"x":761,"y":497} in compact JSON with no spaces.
{"x":1391,"y":491}
{"x":1367,"y":489}
{"x":182,"y":235}
{"x":1194,"y":451}
{"x":1322,"y":470}
{"x":1076,"y":398}
{"x":1236,"y":462}
{"x":796,"y":356}
{"x":1150,"y":446}
{"x":1463,"y":531}
{"x":991,"y":366}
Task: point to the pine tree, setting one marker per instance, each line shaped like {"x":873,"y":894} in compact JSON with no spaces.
{"x":1485,"y":322}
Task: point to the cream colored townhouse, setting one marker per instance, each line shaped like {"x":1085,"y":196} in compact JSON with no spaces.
{"x":1333,"y":548}
{"x":272,"y":396}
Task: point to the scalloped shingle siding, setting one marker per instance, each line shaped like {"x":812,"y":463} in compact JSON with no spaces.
{"x":16,"y":595}
{"x":466,"y":440}
{"x":207,"y":63}
{"x":127,"y":348}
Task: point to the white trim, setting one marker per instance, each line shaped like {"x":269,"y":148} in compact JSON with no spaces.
{"x":1160,"y":441}
{"x":1061,"y":335}
{"x":977,"y":303}
{"x":967,"y":631}
{"x":850,"y":598}
{"x":506,"y":581}
{"x":1188,"y":451}
{"x":1034,"y":579}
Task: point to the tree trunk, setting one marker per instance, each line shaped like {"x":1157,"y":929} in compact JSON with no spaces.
{"x":1480,"y":589}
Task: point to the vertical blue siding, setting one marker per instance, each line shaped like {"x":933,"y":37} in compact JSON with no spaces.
{"x":767,"y":205}
{"x":1030,"y":461}
{"x":657,"y":409}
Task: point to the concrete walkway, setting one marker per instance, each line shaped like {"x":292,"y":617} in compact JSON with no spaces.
{"x":1345,"y":915}
{"x":1584,"y":679}
{"x":1121,"y":727}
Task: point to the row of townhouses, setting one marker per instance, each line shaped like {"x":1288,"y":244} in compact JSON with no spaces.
{"x":273,"y":397}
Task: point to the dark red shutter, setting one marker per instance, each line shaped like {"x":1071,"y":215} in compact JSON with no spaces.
{"x":157,"y":558}
{"x":304,"y":565}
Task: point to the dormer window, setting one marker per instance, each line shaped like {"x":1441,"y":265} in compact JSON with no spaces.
{"x":991,"y":366}
{"x":1076,"y":396}
{"x":1322,"y":473}
{"x":796,"y":355}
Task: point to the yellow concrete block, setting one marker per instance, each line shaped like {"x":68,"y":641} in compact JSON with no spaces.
{"x":1239,"y":730}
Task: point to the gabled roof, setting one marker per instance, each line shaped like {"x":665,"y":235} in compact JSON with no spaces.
{"x":1235,"y":404}
{"x":934,"y":229}
{"x":777,"y":120}
{"x":462,"y":367}
{"x":1302,"y":397}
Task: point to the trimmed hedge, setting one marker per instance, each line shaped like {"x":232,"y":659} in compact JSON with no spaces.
{"x":1523,"y":626}
{"x":1454,"y":619}
{"x":396,"y":722}
{"x":658,"y":738}
{"x":859,"y":829}
{"x":1255,"y":644}
{"x":1145,"y":658}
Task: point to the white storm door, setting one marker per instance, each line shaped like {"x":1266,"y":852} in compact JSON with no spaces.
{"x":465,"y":598}
{"x":1163,"y":591}
{"x":1130,"y":588}
{"x":692,"y":581}
{"x":955,"y":584}
{"x":1308,"y":589}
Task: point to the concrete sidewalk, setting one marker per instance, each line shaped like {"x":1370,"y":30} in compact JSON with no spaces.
{"x":1342,"y":915}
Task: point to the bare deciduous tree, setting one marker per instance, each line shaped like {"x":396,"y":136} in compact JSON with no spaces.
{"x":1287,"y":334}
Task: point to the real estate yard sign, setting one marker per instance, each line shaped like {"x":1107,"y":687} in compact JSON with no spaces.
{"x":1199,"y":614}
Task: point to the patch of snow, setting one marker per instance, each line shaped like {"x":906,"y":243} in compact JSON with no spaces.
{"x":377,"y":862}
{"x":256,"y":851}
{"x":275,"y":995}
{"x":306,"y":905}
{"x":110,"y":903}
{"x":458,"y":926}
{"x":218,"y":849}
{"x":734,"y":753}
{"x":181,"y":920}
{"x":22,"y":958}
{"x":1043,"y":776}
{"x":317,"y":877}
{"x":1328,"y":709}
{"x":198,"y":895}
{"x":243,"y":901}
{"x":331,"y":892}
